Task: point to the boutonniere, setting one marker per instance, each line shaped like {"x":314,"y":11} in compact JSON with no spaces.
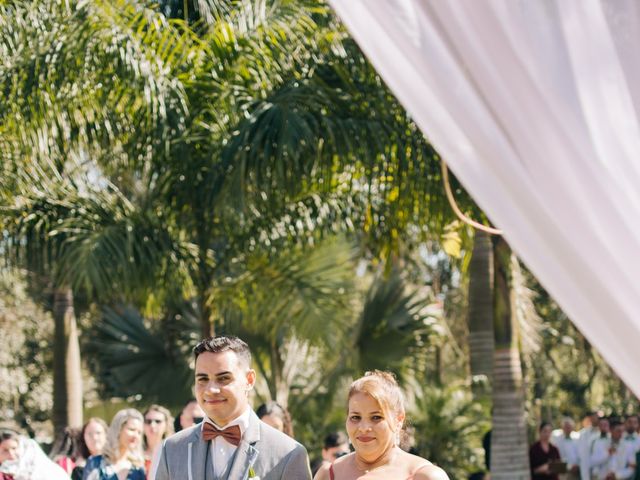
{"x":252,"y":474}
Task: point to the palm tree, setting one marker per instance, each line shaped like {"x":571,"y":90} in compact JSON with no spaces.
{"x":445,"y":419}
{"x":509,"y":454}
{"x":80,"y":241}
{"x":480,"y":315}
{"x":80,"y":80}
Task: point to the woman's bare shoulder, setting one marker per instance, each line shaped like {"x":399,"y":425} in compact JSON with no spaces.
{"x":424,"y":470}
{"x":430,"y":472}
{"x":323,"y":472}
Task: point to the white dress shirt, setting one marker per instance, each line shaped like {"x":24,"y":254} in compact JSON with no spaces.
{"x":587,"y":437}
{"x":221,"y":450}
{"x":568,"y":447}
{"x":632,"y":439}
{"x":621,"y":462}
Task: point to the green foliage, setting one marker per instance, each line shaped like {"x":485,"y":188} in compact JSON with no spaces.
{"x":394,"y":326}
{"x":134,"y":359}
{"x":25,"y":357}
{"x":448,"y":428}
{"x":299,"y":291}
{"x":568,"y":376}
{"x":86,"y":76}
{"x":92,"y":238}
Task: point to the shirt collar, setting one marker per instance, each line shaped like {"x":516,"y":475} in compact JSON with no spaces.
{"x":242,"y":421}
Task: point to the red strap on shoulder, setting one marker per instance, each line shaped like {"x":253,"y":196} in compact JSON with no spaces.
{"x":331,"y":475}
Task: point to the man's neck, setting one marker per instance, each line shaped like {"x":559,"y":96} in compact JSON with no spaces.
{"x":234,"y":421}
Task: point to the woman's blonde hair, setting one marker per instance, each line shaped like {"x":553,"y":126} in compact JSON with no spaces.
{"x":167,"y":418}
{"x":383,"y":388}
{"x":112,"y":447}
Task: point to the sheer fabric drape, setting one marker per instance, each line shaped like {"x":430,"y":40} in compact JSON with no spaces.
{"x":535,"y":106}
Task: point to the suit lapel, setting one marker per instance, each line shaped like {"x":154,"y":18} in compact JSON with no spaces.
{"x":246,"y":454}
{"x":197,"y":455}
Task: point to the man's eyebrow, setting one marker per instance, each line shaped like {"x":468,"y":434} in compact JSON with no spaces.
{"x":219,"y":374}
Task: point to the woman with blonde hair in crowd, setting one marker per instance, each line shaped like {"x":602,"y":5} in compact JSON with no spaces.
{"x":158,"y":425}
{"x":123,"y":458}
{"x":375,"y":418}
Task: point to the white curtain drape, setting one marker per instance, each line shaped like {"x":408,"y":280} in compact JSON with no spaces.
{"x":535,"y":107}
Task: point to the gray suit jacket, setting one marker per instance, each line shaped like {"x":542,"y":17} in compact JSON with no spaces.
{"x":272,"y":455}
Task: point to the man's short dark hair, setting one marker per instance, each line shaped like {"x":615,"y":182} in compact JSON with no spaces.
{"x":615,"y":423}
{"x":335,"y":439}
{"x":224,"y":343}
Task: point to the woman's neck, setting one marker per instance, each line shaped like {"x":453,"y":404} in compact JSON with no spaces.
{"x":384,"y":458}
{"x":152,"y":444}
{"x":123,"y":454}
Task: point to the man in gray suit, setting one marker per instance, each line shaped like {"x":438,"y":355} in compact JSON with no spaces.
{"x":231,"y":443}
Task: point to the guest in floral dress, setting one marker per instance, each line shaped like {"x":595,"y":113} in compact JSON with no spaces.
{"x":122,"y":457}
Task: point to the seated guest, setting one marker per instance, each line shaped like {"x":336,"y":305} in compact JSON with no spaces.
{"x":614,"y":459}
{"x":275,"y":415}
{"x":122,"y":458}
{"x":542,"y":454}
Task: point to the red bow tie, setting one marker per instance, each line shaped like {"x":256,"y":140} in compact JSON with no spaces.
{"x":231,"y":434}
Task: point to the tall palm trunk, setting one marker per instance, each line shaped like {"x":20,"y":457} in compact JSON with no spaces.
{"x":509,"y":455}
{"x":67,"y":374}
{"x":480,"y":319}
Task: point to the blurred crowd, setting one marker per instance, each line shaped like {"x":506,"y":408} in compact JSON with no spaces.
{"x":126,"y":447}
{"x":605,"y":448}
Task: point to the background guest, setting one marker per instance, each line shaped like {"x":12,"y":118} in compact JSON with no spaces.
{"x":21,"y":458}
{"x":190,"y":415}
{"x":542,"y":453}
{"x":65,"y":450}
{"x":123,"y":457}
{"x":93,"y":438}
{"x":272,"y":413}
{"x":336,"y":444}
{"x":158,"y":425}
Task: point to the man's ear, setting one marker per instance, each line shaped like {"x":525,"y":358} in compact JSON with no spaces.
{"x":251,"y":378}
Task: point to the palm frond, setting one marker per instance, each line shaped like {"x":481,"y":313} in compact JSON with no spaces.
{"x":93,"y":239}
{"x":132,"y":357}
{"x":300,"y":292}
{"x":76,"y":75}
{"x":448,"y":426}
{"x":395,"y":325}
